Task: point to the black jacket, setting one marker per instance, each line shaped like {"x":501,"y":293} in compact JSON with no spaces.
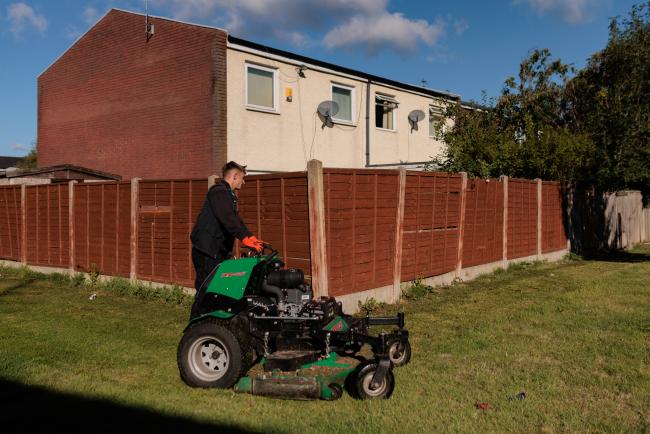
{"x":218,"y":223}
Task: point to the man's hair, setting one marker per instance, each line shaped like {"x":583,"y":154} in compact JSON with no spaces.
{"x":230,"y":166}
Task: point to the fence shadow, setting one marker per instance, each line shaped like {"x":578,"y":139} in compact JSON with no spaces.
{"x":36,"y":409}
{"x":619,"y":256}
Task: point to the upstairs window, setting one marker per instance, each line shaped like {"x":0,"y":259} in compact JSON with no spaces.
{"x":261,"y":88}
{"x":385,"y":111}
{"x":343,"y":96}
{"x":436,"y":121}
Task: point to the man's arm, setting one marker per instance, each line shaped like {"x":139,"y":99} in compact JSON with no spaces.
{"x":221,"y":205}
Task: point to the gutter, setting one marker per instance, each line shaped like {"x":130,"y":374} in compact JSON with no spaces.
{"x":368,"y":123}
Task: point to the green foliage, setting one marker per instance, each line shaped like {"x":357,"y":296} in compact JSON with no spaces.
{"x":78,"y":279}
{"x":525,"y":133}
{"x":29,"y":161}
{"x":553,"y":122}
{"x":370,"y":306}
{"x":610,"y":103}
{"x":417,"y":289}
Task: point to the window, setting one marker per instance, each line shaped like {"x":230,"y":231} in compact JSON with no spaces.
{"x":343,"y":95}
{"x":385,"y":111}
{"x":436,"y":121}
{"x":261,"y":88}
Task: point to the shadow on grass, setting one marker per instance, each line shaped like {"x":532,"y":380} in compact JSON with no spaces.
{"x":12,"y":288}
{"x":619,"y":256}
{"x":35,"y":409}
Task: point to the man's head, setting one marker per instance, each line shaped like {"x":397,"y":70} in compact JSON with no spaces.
{"x":234,"y":173}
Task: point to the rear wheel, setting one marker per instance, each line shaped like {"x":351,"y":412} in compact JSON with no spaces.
{"x":209,"y":355}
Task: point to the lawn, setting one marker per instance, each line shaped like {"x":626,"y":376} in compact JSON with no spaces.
{"x":573,"y":336}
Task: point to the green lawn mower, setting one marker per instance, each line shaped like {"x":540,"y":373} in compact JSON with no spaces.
{"x":259,"y":329}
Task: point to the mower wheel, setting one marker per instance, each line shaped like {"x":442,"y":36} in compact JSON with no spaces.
{"x":361,"y":379}
{"x":209,"y":355}
{"x":399,"y":353}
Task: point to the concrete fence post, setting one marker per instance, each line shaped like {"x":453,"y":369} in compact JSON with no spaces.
{"x":461,"y":224}
{"x":317,"y":241}
{"x":539,"y":218}
{"x":71,"y":225}
{"x":399,"y":234}
{"x":23,"y":224}
{"x":135,"y":205}
{"x":504,"y":248}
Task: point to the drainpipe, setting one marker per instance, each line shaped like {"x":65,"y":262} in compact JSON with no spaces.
{"x":368,"y":123}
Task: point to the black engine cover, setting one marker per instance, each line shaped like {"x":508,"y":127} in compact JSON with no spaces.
{"x":291,"y":278}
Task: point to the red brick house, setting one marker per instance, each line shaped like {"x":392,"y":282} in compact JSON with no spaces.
{"x":120,"y":103}
{"x":182,"y":101}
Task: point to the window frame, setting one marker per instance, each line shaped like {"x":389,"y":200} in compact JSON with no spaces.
{"x":352,"y":103}
{"x":390,"y":98}
{"x":438,"y":111}
{"x":276,"y":99}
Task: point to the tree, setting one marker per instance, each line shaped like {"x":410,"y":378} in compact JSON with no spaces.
{"x":610,"y":103}
{"x":29,"y":161}
{"x":526,"y":132}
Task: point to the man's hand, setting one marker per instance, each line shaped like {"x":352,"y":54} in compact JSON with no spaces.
{"x":253,"y":243}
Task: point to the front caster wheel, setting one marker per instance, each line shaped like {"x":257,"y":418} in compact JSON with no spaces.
{"x":361,"y":383}
{"x":399,"y":353}
{"x":209,"y":355}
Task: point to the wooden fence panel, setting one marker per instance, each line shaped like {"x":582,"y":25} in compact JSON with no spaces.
{"x":46,"y":221}
{"x":275,"y":209}
{"x":167,"y":211}
{"x":102,"y":228}
{"x":361,"y":219}
{"x":10,"y":222}
{"x":553,"y":228}
{"x":431,"y":224}
{"x":483,"y":236}
{"x":522,"y":218}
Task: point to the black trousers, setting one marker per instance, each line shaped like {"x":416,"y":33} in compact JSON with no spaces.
{"x":203,"y":265}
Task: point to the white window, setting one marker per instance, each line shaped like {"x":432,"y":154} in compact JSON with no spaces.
{"x":344,"y":97}
{"x":261,"y":88}
{"x":385,"y":111}
{"x":436,"y":121}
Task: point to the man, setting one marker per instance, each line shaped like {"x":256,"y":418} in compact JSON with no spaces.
{"x":216,"y":228}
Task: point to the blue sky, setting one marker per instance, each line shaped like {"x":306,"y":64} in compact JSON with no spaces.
{"x":464,"y":47}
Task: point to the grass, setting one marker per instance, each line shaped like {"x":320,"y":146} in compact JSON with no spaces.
{"x":573,"y":336}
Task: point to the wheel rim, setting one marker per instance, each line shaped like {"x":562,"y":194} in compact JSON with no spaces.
{"x":397,"y":353}
{"x":367,"y":380}
{"x":209,"y":358}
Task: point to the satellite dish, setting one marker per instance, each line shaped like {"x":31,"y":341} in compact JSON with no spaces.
{"x":325,"y":111}
{"x":414,"y":117}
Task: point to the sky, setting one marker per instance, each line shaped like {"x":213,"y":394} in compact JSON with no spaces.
{"x":464,"y":47}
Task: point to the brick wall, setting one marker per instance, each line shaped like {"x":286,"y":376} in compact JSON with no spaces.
{"x":121,"y":104}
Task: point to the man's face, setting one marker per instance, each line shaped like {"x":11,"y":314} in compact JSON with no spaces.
{"x":237,"y":180}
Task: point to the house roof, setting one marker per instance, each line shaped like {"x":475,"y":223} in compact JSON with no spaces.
{"x":304,"y":59}
{"x":375,"y":78}
{"x":9,"y":161}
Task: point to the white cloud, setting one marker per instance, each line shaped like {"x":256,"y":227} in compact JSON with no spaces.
{"x":21,"y":15}
{"x":383,"y":30}
{"x":345,"y":23}
{"x":18,"y":147}
{"x":572,"y":11}
{"x":90,"y":15}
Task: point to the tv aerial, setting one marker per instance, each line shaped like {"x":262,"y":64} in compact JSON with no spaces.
{"x":325,"y":111}
{"x":414,"y":117}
